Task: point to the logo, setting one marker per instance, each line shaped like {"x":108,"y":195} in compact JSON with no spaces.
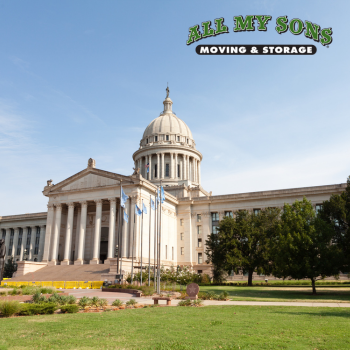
{"x":296,"y":26}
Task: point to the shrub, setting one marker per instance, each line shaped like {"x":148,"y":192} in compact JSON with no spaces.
{"x":223,"y":295}
{"x":9,"y":308}
{"x":71,"y":299}
{"x":186,"y":302}
{"x":131,"y":302}
{"x":38,"y":309}
{"x":14,"y":291}
{"x":102,"y":302}
{"x":54,"y":298}
{"x":212,"y":296}
{"x":71,"y":309}
{"x":38,"y":298}
{"x":3,"y":294}
{"x":84,"y":301}
{"x":117,"y":303}
{"x":197,"y":302}
{"x":95,"y":301}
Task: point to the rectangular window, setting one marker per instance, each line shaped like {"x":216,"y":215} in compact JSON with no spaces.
{"x":155,"y":138}
{"x":156,"y":170}
{"x":167,"y":137}
{"x":167,"y":170}
{"x":12,"y":233}
{"x":182,"y":250}
{"x":256,"y":211}
{"x":199,"y":217}
{"x":215,"y":222}
{"x":3,"y":234}
{"x":178,"y":170}
{"x":178,"y":138}
{"x":19,"y":242}
{"x":200,"y":271}
{"x":229,"y":214}
{"x":199,"y":242}
{"x":199,"y":230}
{"x":181,"y":236}
{"x":172,"y":253}
{"x":146,"y":140}
{"x":200,"y":258}
{"x":187,"y":140}
{"x":181,"y":222}
{"x":318,"y":208}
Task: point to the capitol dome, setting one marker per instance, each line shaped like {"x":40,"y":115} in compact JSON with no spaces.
{"x":167,"y":151}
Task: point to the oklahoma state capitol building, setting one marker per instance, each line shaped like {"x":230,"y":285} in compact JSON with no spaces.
{"x":81,"y":223}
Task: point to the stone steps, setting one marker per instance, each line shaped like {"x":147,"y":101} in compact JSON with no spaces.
{"x":66,"y":273}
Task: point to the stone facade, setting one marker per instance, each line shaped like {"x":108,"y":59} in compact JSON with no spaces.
{"x":83,"y":221}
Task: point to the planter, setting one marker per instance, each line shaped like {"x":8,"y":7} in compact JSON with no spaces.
{"x":137,"y":293}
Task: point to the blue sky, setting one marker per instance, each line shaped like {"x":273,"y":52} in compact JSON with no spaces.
{"x":81,"y":79}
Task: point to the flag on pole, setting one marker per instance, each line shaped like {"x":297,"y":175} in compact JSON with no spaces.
{"x":126,"y":217}
{"x":152,"y":204}
{"x":147,"y":167}
{"x":144,"y":209}
{"x":138,"y":210}
{"x":123,"y":199}
{"x":162,"y":194}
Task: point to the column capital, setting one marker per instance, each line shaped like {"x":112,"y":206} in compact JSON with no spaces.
{"x":98,"y":201}
{"x":58,"y":206}
{"x":42,"y":226}
{"x":83,"y":204}
{"x":50,"y":206}
{"x":33,"y":227}
{"x":70,"y":205}
{"x":112,"y":200}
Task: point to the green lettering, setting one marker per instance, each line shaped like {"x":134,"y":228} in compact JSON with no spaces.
{"x":311,"y":31}
{"x":220,"y":27}
{"x":207,"y":31}
{"x":326,"y":34}
{"x":194,"y":35}
{"x":282,"y":24}
{"x":242,"y":26}
{"x":262,"y":22}
{"x":292,"y":26}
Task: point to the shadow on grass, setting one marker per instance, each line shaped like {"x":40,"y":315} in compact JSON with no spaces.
{"x":324,"y":313}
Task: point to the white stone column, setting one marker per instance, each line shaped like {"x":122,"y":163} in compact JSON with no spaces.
{"x":82,"y":232}
{"x":24,"y":242}
{"x":15,"y":242}
{"x":49,"y":232}
{"x":131,"y":224}
{"x":32,"y":243}
{"x":69,"y":232}
{"x":199,"y":172}
{"x":162,"y":154}
{"x":42,"y":240}
{"x":195,"y":169}
{"x":56,"y":234}
{"x":97,"y":236}
{"x":158,"y":166}
{"x":150,"y":167}
{"x":77,"y":228}
{"x":111,"y":231}
{"x":176,"y":174}
{"x":125,"y":228}
{"x":7,"y":242}
{"x":188,"y":168}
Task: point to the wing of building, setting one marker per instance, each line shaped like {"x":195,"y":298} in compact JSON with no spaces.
{"x":83,"y":220}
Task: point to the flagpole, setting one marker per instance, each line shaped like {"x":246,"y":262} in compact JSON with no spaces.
{"x":121,"y":238}
{"x":141,"y":240}
{"x":149,"y":242}
{"x":160,"y":236}
{"x":155,"y":238}
{"x":132,"y":253}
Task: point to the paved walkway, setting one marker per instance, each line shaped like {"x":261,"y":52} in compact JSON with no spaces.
{"x":111,"y":296}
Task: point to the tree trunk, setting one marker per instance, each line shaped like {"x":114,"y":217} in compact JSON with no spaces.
{"x":250,"y":278}
{"x":313,"y":286}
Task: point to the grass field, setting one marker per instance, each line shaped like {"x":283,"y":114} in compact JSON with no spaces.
{"x":324,"y":294}
{"x":180,"y":328}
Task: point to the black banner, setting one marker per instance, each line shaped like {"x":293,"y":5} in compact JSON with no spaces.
{"x":256,"y":49}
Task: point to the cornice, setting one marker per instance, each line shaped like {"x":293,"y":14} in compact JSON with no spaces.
{"x":18,"y":217}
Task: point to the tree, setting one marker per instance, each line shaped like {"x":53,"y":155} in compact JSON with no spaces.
{"x":336,"y":212}
{"x":243,"y":243}
{"x":302,"y":247}
{"x":9,"y":268}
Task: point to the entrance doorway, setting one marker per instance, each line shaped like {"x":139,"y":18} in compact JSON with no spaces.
{"x":104,"y":244}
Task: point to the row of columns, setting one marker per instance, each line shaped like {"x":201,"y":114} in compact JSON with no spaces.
{"x":25,"y":232}
{"x":189,"y":167}
{"x":53,"y":232}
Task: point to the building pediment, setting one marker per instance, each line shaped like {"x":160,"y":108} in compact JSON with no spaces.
{"x":88,"y":179}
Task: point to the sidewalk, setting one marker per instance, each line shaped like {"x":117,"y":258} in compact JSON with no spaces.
{"x":111,"y":296}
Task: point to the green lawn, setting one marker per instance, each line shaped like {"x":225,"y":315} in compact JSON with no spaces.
{"x":324,"y":294}
{"x":212,"y":327}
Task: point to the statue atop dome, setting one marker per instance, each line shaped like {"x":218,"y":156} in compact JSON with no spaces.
{"x":167,"y":91}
